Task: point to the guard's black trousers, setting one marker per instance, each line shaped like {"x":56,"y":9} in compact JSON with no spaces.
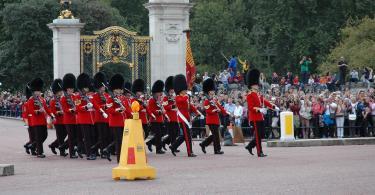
{"x":40,"y":136}
{"x":258,"y":135}
{"x":74,"y":137}
{"x":184,"y":136}
{"x":156,"y":140}
{"x":118,"y":134}
{"x":214,"y":137}
{"x":31,"y":132}
{"x":172,"y":129}
{"x":60,"y":136}
{"x":146,"y":130}
{"x":88,"y":138}
{"x":102,"y":135}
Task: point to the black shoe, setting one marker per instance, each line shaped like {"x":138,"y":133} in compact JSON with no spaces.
{"x":262,"y":155}
{"x":107,"y":154}
{"x":53,"y":149}
{"x":78,"y":152}
{"x":33,"y":152}
{"x":91,"y":157}
{"x":250,"y":149}
{"x":203,"y":148}
{"x":192,"y":155}
{"x":160,"y":152}
{"x":219,"y":152}
{"x":73,"y":156}
{"x":63,"y":153}
{"x":172,"y":150}
{"x":177,"y":151}
{"x":27,"y":149}
{"x":41,"y":156}
{"x":149,"y":146}
{"x":163,"y":145}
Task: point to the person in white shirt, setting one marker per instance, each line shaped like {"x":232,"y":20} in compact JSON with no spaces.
{"x":205,"y":76}
{"x":238,"y":111}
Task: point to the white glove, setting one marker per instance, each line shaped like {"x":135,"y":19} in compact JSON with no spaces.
{"x":109,"y":105}
{"x":201,"y":117}
{"x":277,"y":108}
{"x":105,"y":115}
{"x":89,"y":105}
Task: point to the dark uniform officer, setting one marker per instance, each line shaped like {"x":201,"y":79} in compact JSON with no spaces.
{"x":213,"y":108}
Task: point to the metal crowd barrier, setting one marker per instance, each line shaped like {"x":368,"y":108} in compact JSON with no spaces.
{"x":10,"y":113}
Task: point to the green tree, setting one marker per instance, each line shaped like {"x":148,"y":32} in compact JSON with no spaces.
{"x":26,"y":51}
{"x":357,"y":45}
{"x":218,"y":27}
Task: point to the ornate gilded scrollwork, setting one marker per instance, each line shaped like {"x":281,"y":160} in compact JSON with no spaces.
{"x":116,"y":45}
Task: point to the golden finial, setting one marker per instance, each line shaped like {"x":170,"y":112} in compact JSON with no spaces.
{"x":65,"y":12}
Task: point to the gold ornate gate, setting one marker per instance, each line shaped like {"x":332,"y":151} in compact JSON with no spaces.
{"x":117,"y":45}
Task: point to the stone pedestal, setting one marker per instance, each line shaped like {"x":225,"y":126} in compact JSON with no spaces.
{"x":168,"y":19}
{"x":66,"y":46}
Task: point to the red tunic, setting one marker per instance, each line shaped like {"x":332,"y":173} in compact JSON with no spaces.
{"x":69,"y":117}
{"x":37,"y":118}
{"x":254,"y":100}
{"x":25,"y":116}
{"x":85,"y":116}
{"x":55,"y":107}
{"x":156,"y":110}
{"x":116,"y":118}
{"x":100,"y":103}
{"x":170,"y":109}
{"x":183,"y":105}
{"x":212,"y":117}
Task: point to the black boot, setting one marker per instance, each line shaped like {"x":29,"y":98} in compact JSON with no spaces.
{"x":172,"y":150}
{"x":107,"y":154}
{"x":78,"y":151}
{"x":219,"y":152}
{"x":149,"y":146}
{"x":41,"y":156}
{"x":91,"y":157}
{"x":262,"y":155}
{"x":53,"y":149}
{"x":192,"y":155}
{"x":27,"y":149}
{"x":250,"y":149}
{"x":160,"y":152}
{"x":203,"y":148}
{"x":63,"y":153}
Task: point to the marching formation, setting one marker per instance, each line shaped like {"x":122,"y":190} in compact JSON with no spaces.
{"x":89,"y":115}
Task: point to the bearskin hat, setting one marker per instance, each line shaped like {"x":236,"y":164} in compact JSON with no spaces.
{"x":57,"y":85}
{"x":179,"y":83}
{"x":127,"y":87}
{"x":28,"y":92}
{"x":99,"y":80}
{"x":158,"y":86}
{"x":83,"y":81}
{"x":116,"y":82}
{"x":36,"y":84}
{"x":69,"y":81}
{"x":169,"y":83}
{"x":252,"y":77}
{"x":208,"y":85}
{"x":138,"y":86}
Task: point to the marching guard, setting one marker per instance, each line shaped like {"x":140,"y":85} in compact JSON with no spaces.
{"x":37,"y":110}
{"x":155,"y":107}
{"x":30,"y":145}
{"x":85,"y":118}
{"x":183,"y":111}
{"x":100,"y":99}
{"x":170,"y":108}
{"x":213,"y":108}
{"x":256,"y":106}
{"x":56,"y":109}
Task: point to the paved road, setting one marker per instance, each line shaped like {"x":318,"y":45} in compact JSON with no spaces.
{"x":314,"y":170}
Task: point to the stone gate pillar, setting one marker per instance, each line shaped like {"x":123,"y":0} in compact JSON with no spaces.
{"x":66,"y":46}
{"x":168,"y":19}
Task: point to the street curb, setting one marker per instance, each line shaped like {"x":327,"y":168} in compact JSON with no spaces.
{"x":323,"y":142}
